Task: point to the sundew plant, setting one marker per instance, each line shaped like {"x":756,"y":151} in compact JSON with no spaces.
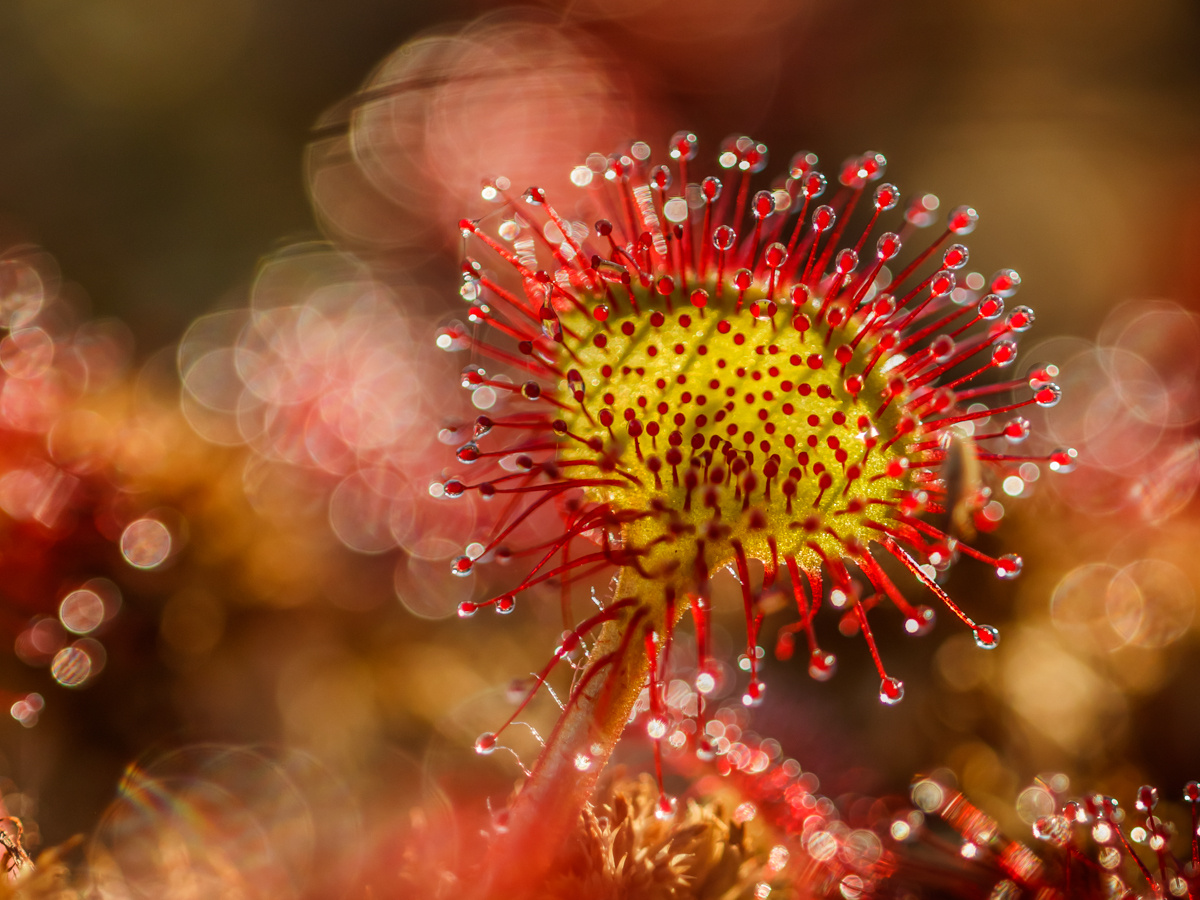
{"x":698,"y":374}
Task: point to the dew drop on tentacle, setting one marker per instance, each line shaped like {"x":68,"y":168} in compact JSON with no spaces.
{"x":886,"y":197}
{"x":1048,"y":396}
{"x":921,"y":622}
{"x":1009,"y":566}
{"x":763,"y":204}
{"x":665,"y":806}
{"x":887,"y":246}
{"x":1017,"y":430}
{"x":485,"y":743}
{"x":1020,"y":319}
{"x":1063,"y":460}
{"x":955,"y":257}
{"x":962,"y":220}
{"x":1005,"y":282}
{"x":755,"y":691}
{"x":821,"y":665}
{"x":462,"y":565}
{"x":683,"y":145}
{"x":891,"y":691}
{"x":814,"y":185}
{"x":986,"y":637}
{"x":1147,"y":798}
{"x":991,"y":307}
{"x":466,"y":609}
{"x":921,"y":209}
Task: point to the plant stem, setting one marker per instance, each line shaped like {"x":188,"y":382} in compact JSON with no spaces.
{"x":548,"y":807}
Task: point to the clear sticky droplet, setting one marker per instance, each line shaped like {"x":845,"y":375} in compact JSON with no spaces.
{"x":821,"y":665}
{"x":683,"y":145}
{"x":886,"y":197}
{"x":145,"y":543}
{"x":1048,"y":396}
{"x":1147,"y":798}
{"x":665,"y":807}
{"x":891,"y":691}
{"x":986,"y":637}
{"x":955,"y":257}
{"x":962,"y":220}
{"x":1063,"y":460}
{"x":485,"y":743}
{"x":1009,"y":566}
{"x":922,"y":621}
{"x":1020,"y":319}
{"x":723,"y":237}
{"x":755,"y":692}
